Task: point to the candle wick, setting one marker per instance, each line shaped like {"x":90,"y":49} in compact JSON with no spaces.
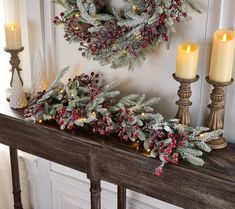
{"x":12,"y":27}
{"x":188,"y":49}
{"x":224,"y":37}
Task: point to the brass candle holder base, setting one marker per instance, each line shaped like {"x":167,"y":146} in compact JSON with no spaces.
{"x":215,"y":119}
{"x":184,"y":103}
{"x":15,"y":62}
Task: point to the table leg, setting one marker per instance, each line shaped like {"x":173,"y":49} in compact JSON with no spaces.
{"x":121,"y":197}
{"x":95,"y":194}
{"x":15,"y":178}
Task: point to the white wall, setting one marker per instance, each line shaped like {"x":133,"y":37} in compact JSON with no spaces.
{"x":65,"y":187}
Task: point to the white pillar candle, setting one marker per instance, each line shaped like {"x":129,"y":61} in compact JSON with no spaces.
{"x":222,"y":57}
{"x":11,"y":11}
{"x":187,"y":61}
{"x":12,"y":26}
{"x":13,"y":36}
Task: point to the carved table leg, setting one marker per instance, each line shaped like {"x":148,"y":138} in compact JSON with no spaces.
{"x":15,"y":178}
{"x":95,"y":194}
{"x":121,"y":197}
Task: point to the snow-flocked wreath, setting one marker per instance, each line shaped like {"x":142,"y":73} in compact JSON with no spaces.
{"x":121,"y":36}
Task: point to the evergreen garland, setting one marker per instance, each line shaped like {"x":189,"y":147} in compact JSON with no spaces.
{"x":121,"y":37}
{"x":89,"y":101}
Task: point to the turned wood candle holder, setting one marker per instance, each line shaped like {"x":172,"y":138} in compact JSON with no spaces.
{"x":215,"y":119}
{"x":15,"y":62}
{"x":184,"y":103}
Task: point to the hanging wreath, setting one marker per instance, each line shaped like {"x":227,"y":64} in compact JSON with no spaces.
{"x":122,"y":36}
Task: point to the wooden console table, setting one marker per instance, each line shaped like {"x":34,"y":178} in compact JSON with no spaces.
{"x":187,"y":186}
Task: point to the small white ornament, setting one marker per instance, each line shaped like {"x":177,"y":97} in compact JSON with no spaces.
{"x":40,"y":81}
{"x":17,"y":98}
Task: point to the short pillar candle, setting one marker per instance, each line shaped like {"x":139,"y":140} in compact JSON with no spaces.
{"x":187,"y":61}
{"x":222,"y":57}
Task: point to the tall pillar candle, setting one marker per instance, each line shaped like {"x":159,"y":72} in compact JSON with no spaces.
{"x":13,"y":36}
{"x":222,"y":57}
{"x":187,"y":61}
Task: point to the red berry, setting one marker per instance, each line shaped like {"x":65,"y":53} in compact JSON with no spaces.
{"x":125,"y":137}
{"x":102,"y":132}
{"x":169,"y":151}
{"x":131,"y":119}
{"x":175,"y":155}
{"x":181,"y":144}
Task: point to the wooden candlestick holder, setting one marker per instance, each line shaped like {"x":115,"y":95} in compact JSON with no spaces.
{"x":215,"y":119}
{"x":15,"y":62}
{"x":184,"y":103}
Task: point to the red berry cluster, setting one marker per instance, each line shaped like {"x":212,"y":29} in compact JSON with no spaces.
{"x":33,"y":108}
{"x":92,"y":82}
{"x":166,"y":150}
{"x":128,"y":127}
{"x":103,"y":125}
{"x":94,"y":87}
{"x":103,"y":39}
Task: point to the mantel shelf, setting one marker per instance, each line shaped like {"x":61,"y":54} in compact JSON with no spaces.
{"x":187,"y":186}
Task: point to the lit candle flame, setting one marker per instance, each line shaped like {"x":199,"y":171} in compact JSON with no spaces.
{"x":188,"y":49}
{"x":224,"y":37}
{"x":12,"y":27}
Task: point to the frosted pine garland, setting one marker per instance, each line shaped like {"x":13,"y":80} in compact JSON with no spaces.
{"x":91,"y":102}
{"x":121,"y":37}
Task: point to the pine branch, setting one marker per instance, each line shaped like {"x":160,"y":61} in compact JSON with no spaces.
{"x":58,"y":78}
{"x":84,"y":13}
{"x":192,"y":5}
